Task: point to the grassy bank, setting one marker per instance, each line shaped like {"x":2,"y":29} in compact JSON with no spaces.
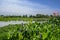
{"x":24,"y":19}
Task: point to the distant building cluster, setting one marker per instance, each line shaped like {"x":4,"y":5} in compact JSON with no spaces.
{"x":55,"y":14}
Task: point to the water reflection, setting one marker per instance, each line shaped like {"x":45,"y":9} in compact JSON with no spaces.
{"x":3,"y":23}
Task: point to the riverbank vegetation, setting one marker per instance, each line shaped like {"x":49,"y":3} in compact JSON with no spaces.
{"x":49,"y":30}
{"x":37,"y":17}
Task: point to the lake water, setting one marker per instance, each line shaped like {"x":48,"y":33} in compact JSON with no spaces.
{"x":3,"y":23}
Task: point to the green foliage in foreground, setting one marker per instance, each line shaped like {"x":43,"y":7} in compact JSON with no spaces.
{"x":49,"y":30}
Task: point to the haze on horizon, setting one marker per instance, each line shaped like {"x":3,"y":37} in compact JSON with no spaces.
{"x":29,"y":7}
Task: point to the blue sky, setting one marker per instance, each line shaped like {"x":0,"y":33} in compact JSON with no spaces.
{"x":51,"y":3}
{"x":29,"y":7}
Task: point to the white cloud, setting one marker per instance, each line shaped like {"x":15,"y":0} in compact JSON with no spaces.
{"x":21,"y":7}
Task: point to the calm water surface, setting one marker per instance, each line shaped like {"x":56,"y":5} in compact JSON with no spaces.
{"x":3,"y":23}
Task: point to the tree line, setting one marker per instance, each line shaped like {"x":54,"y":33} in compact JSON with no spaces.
{"x":30,"y":16}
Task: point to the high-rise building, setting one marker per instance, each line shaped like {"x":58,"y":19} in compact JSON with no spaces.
{"x":55,"y":13}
